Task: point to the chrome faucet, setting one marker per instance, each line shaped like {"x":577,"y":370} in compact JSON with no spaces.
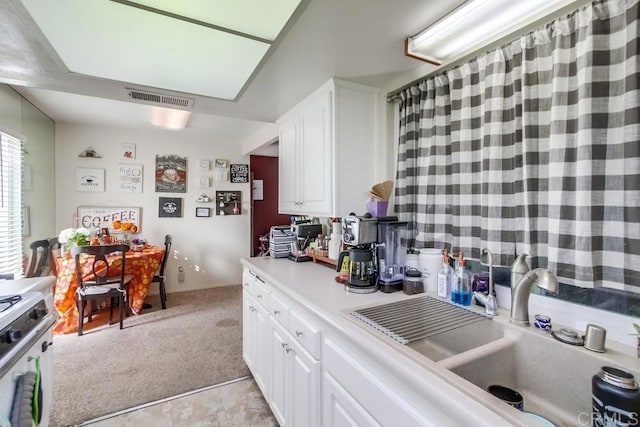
{"x":489,"y":301}
{"x":520,"y":293}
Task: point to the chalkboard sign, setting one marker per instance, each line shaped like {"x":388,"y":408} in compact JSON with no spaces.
{"x":239,"y":173}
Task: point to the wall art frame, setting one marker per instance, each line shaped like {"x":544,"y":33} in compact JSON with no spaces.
{"x":203,"y":212}
{"x":90,"y":180}
{"x":171,"y":174}
{"x":170,"y":207}
{"x":130,"y":178}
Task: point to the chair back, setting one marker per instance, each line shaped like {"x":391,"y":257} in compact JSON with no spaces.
{"x":39,"y":257}
{"x":167,"y":248}
{"x":100,"y":267}
{"x":54,"y":250}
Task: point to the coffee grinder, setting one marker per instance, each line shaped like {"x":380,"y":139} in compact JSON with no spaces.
{"x":359,"y":233}
{"x":392,"y":254}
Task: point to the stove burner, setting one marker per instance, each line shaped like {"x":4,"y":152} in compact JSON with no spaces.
{"x":7,"y":302}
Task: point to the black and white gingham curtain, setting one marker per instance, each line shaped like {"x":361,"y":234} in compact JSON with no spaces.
{"x":533,"y":147}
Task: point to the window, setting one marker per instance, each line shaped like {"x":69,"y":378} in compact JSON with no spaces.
{"x":10,"y":205}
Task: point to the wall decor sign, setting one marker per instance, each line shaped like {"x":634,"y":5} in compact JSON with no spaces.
{"x":170,"y":207}
{"x":128,"y":151}
{"x":103,"y":216}
{"x":222,"y":164}
{"x":228,"y":202}
{"x":257,"y":188}
{"x":221,"y":175}
{"x":25,"y":219}
{"x":203,"y":212}
{"x":171,"y":174}
{"x":89,"y":179}
{"x":204,"y":182}
{"x":130,"y":177}
{"x":239,"y":173}
{"x":204,"y":166}
{"x":90,"y":152}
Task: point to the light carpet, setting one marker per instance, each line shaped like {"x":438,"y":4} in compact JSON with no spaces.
{"x":194,"y":343}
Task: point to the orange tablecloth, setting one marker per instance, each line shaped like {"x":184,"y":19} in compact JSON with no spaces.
{"x":141,"y":265}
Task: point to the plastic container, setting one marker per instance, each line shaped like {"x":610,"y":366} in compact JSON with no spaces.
{"x":445,"y":277}
{"x":377,"y":208}
{"x":412,"y":282}
{"x":615,"y":398}
{"x":461,"y":292}
{"x":412,"y":261}
{"x":430,"y":261}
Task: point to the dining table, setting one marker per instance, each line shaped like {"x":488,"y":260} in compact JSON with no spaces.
{"x":140,"y":264}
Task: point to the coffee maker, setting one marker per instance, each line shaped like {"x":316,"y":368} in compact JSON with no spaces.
{"x":360,"y":234}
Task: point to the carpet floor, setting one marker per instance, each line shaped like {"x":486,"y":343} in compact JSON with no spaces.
{"x":194,"y":343}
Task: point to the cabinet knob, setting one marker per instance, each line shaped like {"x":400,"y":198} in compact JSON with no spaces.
{"x":298,"y":333}
{"x":288,"y":349}
{"x":276,"y":312}
{"x":285,"y":346}
{"x":259,"y":297}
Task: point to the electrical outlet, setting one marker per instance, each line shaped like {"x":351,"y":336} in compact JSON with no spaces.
{"x":180,"y":274}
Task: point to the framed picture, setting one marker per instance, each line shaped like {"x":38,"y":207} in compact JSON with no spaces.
{"x":203,"y":212}
{"x":239,"y":173}
{"x":204,"y":166}
{"x":221,"y":175}
{"x":89,"y":180}
{"x":128,"y":151}
{"x":204,"y":182}
{"x":170,"y":207}
{"x":171,"y":174}
{"x":130,"y":178}
{"x":222,"y":164}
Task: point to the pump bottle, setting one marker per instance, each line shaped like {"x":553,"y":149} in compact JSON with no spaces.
{"x":445,"y":277}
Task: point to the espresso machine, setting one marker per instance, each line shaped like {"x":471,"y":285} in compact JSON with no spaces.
{"x":360,"y":234}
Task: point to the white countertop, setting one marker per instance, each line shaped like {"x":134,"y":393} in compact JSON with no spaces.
{"x":34,"y":284}
{"x":314,"y":287}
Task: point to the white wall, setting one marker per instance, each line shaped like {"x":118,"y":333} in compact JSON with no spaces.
{"x":209,"y":248}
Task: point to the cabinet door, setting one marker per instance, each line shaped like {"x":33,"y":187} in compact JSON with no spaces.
{"x":248,"y":330}
{"x":316,"y":168}
{"x":288,"y":192}
{"x":279,"y":374}
{"x":261,"y":360}
{"x":340,"y":409}
{"x":305,"y":387}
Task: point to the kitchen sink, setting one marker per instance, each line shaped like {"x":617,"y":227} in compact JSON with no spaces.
{"x":553,"y":377}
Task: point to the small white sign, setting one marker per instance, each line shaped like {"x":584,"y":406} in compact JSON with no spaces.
{"x":128,"y":151}
{"x":130,"y":178}
{"x":204,"y":166}
{"x":222,"y":175}
{"x":89,"y":180}
{"x":204,"y":182}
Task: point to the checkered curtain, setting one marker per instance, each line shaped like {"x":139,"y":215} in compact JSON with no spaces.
{"x":533,"y":147}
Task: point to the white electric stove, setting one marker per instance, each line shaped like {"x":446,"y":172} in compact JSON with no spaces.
{"x":26,"y":334}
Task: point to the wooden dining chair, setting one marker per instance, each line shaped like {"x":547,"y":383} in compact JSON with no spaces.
{"x":39,"y":257}
{"x":159,"y":278}
{"x":54,"y":252}
{"x":100,"y":284}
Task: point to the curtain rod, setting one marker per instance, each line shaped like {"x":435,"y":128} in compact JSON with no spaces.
{"x":394,"y":95}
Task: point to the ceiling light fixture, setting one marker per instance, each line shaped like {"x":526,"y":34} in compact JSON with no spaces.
{"x":474,"y":24}
{"x":168,"y":118}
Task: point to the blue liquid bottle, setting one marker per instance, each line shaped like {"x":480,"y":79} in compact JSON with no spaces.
{"x":461,"y":293}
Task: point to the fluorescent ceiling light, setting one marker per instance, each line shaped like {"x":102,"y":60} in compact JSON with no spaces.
{"x":200,"y":47}
{"x":474,"y":24}
{"x":168,"y":118}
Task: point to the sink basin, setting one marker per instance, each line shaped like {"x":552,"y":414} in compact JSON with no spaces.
{"x":554,"y":378}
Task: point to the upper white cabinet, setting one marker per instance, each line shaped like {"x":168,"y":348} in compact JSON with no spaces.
{"x":327,"y":151}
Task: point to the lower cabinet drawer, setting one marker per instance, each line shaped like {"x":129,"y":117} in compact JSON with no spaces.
{"x":306,"y":333}
{"x":262,"y":294}
{"x":280,"y":310}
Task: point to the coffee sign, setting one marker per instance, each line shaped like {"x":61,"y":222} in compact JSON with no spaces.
{"x":239,"y":173}
{"x":101,"y":216}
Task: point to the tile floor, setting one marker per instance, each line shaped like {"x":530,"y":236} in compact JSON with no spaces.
{"x":235,"y":403}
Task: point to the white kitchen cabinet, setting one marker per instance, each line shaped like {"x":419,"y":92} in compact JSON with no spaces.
{"x":353,"y":395}
{"x":295,"y":381}
{"x":326,"y":151}
{"x":255,"y":330}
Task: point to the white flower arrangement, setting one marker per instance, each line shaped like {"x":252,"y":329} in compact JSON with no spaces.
{"x":74,"y":236}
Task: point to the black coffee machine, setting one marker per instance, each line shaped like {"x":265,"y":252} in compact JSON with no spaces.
{"x":360,"y":234}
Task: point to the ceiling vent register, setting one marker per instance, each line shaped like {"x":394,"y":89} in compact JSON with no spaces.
{"x":159,"y":99}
